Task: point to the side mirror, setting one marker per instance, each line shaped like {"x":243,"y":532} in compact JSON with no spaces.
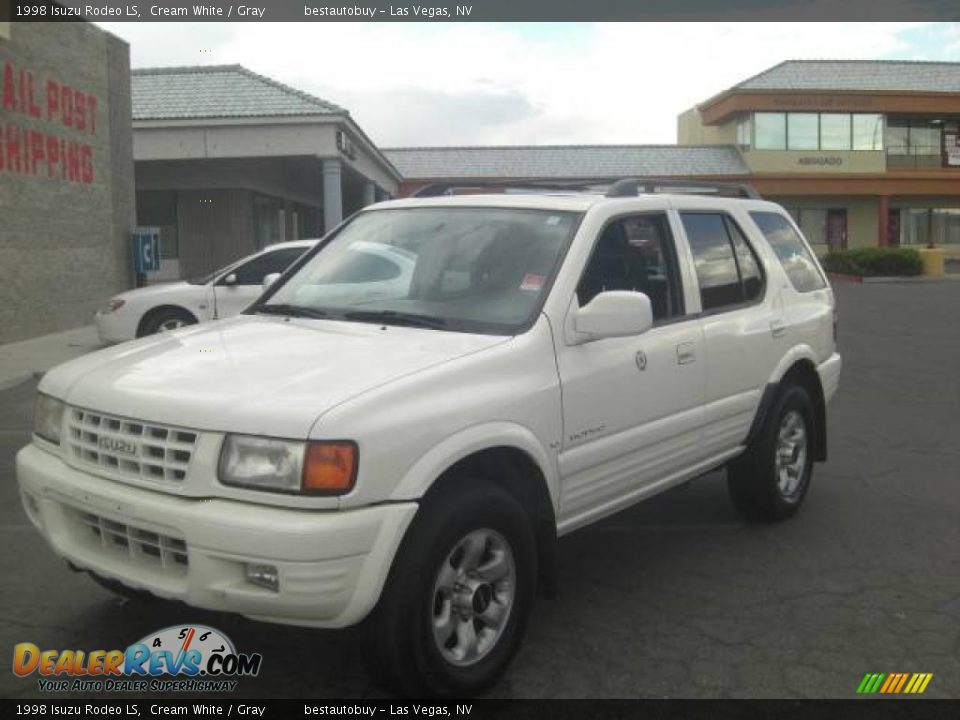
{"x":615,"y":313}
{"x":269,"y":279}
{"x":230,"y":279}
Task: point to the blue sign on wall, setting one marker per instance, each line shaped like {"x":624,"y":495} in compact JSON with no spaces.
{"x":146,"y":249}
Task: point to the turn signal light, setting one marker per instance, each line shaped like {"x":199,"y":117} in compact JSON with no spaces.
{"x":330,"y":467}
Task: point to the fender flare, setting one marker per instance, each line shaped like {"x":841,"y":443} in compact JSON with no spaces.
{"x":798,"y":354}
{"x":464,"y":443}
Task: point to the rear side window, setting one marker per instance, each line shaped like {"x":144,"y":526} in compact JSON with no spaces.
{"x":728,"y":271}
{"x":791,"y":250}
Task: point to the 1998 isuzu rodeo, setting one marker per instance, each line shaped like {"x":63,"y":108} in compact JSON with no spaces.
{"x":397,"y":438}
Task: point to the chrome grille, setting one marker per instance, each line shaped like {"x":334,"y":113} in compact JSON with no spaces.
{"x":132,"y":544}
{"x":129,"y":448}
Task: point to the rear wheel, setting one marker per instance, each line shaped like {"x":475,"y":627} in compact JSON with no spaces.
{"x":165,"y":320}
{"x":770,"y":481}
{"x":458,"y":596}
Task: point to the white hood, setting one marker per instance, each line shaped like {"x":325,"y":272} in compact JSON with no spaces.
{"x":137,"y":295}
{"x":252,"y":374}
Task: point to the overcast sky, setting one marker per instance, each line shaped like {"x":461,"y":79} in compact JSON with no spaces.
{"x":513,"y":83}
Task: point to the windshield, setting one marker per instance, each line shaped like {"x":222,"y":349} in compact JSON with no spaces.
{"x":466,"y":269}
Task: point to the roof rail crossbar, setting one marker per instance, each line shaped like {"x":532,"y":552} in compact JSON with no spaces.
{"x":612,"y":187}
{"x":631,"y":187}
{"x":573,"y":185}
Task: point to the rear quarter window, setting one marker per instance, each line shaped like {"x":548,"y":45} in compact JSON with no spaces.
{"x":790,"y":249}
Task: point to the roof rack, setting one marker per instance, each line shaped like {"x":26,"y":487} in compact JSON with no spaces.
{"x":450,"y":188}
{"x":631,"y":187}
{"x":612,"y":187}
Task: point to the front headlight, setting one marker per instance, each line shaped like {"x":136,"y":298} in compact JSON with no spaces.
{"x":47,"y":418}
{"x":113,"y":305}
{"x":288,"y":466}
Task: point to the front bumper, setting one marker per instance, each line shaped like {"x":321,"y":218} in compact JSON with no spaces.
{"x":332,"y":564}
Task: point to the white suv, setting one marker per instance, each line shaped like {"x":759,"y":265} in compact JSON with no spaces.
{"x":406,"y":453}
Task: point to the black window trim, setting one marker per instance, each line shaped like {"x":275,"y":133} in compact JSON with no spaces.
{"x":725,"y":216}
{"x":672,"y":258}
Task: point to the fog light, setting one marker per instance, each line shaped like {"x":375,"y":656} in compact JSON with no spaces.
{"x":265,"y":576}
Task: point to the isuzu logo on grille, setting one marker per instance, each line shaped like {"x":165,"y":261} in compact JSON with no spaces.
{"x":117,"y":445}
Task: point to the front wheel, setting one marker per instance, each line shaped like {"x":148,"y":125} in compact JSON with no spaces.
{"x":458,"y":596}
{"x":769,"y":481}
{"x":165,"y":320}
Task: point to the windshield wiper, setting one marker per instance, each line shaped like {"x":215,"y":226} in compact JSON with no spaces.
{"x":393,"y":317}
{"x":290,"y":310}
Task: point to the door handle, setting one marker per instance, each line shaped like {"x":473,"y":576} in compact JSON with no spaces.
{"x":778,"y":328}
{"x":685,"y":353}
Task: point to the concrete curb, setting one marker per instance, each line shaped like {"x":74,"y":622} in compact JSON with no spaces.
{"x":30,"y":359}
{"x":921,"y":279}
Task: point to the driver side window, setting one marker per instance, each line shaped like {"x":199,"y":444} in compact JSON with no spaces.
{"x":253,"y":272}
{"x":636,"y":253}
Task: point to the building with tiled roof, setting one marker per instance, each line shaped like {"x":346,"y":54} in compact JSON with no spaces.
{"x":228,"y":161}
{"x":858,"y":76}
{"x":563,"y":162}
{"x":218,"y":91}
{"x":862,"y":152}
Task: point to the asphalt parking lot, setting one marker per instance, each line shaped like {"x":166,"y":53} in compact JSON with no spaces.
{"x":676,"y":597}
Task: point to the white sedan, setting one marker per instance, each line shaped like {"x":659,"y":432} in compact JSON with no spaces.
{"x":221,"y":294}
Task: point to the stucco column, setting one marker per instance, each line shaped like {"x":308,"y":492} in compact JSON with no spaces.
{"x":883,"y":221}
{"x":369,"y":193}
{"x":332,"y":194}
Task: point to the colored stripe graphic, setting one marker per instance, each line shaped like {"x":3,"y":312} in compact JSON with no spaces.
{"x":870,"y":683}
{"x":894,"y":683}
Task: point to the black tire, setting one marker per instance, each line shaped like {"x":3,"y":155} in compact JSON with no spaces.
{"x":399,"y":643}
{"x":758,"y":491}
{"x":118,"y":588}
{"x":165,"y":319}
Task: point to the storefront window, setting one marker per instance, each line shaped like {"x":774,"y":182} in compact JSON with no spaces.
{"x":770,"y":131}
{"x":925,"y":139}
{"x":815,"y":131}
{"x":940,"y":226}
{"x":813,"y":224}
{"x":898,"y":137}
{"x":835,"y":131}
{"x":868,"y":132}
{"x":267,"y":214}
{"x":914,"y":143}
{"x":803,"y":130}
